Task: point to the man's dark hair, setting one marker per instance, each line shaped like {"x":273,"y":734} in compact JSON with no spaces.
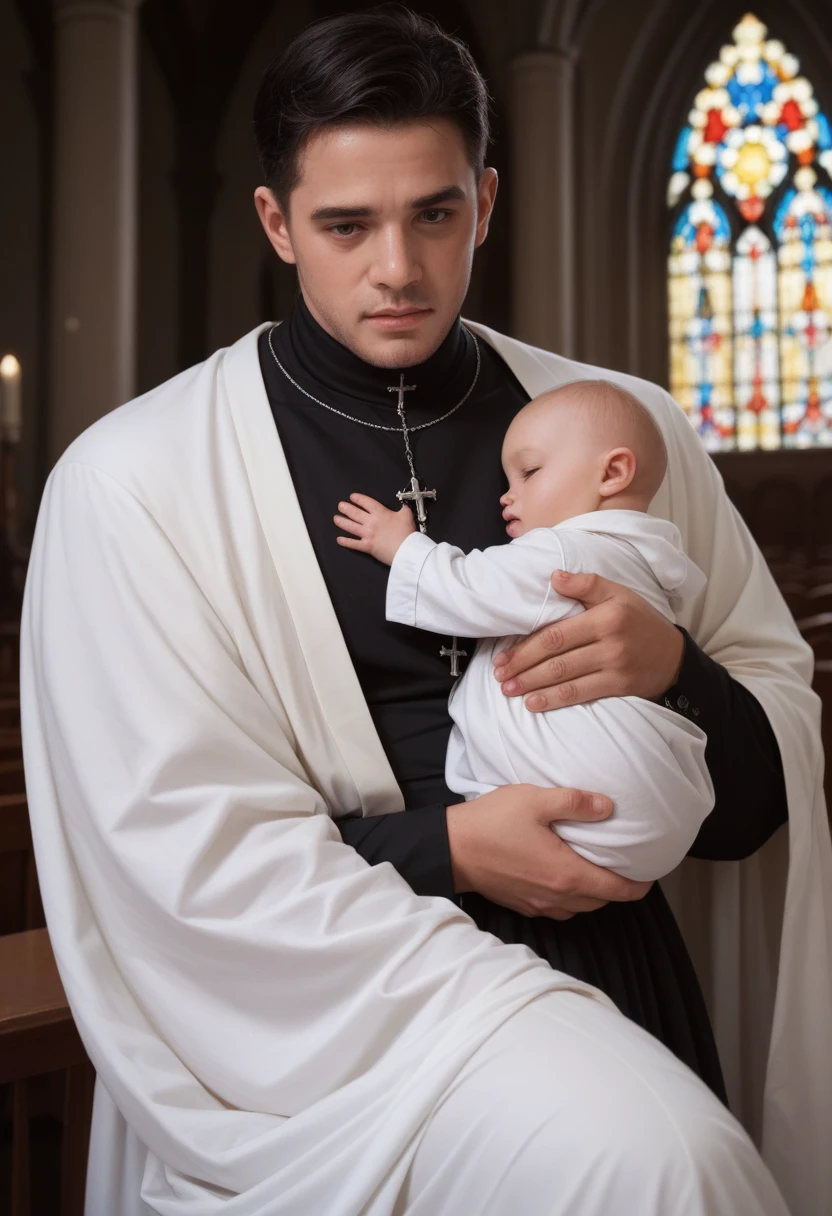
{"x":382,"y":67}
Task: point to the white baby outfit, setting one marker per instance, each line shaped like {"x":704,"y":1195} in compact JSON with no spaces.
{"x":647,"y":758}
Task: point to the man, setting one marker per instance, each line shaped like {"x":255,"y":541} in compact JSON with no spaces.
{"x":220,"y":728}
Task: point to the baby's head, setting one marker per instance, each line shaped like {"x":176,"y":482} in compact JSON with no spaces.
{"x":583,"y":447}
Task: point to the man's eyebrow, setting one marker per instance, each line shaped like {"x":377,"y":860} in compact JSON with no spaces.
{"x":446,"y":195}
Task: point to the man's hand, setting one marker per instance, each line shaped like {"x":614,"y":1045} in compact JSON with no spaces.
{"x":502,"y":846}
{"x":619,"y":647}
{"x":379,"y":530}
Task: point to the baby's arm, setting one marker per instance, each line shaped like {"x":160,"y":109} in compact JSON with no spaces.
{"x":374,"y":528}
{"x":492,"y":592}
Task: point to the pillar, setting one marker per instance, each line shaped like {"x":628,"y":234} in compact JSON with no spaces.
{"x":543,"y":166}
{"x":93,"y":204}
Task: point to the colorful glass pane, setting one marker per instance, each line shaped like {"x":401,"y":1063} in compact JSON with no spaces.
{"x":803,"y":225}
{"x":756,"y":372}
{"x":700,"y":320}
{"x":750,"y":312}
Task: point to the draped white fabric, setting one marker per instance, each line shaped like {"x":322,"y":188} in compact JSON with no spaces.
{"x":192,"y":720}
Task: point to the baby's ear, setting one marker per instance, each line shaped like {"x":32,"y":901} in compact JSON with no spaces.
{"x":619,"y":471}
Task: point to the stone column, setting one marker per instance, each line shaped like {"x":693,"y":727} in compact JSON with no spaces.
{"x":543,"y":168}
{"x":94,"y":224}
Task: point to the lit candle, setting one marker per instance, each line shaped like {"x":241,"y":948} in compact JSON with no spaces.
{"x":12,"y":414}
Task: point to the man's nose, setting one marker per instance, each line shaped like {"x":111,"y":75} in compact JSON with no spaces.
{"x":395,"y":265}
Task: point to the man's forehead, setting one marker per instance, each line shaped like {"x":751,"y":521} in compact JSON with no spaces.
{"x":351,"y":161}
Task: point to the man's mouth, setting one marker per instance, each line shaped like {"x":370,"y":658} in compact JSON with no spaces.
{"x":398,"y":318}
{"x":396,"y":312}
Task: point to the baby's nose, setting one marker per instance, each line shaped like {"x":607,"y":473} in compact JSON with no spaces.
{"x":506,"y":499}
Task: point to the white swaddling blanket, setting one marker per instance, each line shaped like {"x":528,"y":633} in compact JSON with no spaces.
{"x":646,"y":757}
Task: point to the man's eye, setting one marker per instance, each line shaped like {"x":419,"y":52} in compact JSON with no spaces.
{"x":338,"y":229}
{"x":527,"y":473}
{"x":435,"y":211}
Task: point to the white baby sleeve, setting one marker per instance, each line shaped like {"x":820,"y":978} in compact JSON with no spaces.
{"x":486,"y":593}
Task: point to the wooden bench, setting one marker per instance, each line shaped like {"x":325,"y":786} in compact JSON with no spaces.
{"x":37,"y":1036}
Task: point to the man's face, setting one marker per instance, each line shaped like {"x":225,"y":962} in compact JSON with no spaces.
{"x":384,"y":221}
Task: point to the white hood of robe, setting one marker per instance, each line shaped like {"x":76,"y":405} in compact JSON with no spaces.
{"x":192,"y":720}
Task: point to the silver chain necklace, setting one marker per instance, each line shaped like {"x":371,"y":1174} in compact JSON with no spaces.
{"x":416,"y":495}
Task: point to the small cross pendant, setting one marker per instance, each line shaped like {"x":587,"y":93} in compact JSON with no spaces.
{"x":401,"y":388}
{"x":417,"y":495}
{"x":454,"y":654}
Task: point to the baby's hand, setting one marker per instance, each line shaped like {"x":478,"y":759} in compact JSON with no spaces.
{"x":379,"y":530}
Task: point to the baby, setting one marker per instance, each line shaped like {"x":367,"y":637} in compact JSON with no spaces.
{"x":583,"y":463}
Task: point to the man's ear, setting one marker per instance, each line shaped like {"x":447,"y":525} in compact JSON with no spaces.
{"x":619,"y":471}
{"x":485,"y":203}
{"x":275,"y":223}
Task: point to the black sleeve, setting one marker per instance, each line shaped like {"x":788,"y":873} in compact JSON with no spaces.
{"x":415,"y":842}
{"x":742,"y":757}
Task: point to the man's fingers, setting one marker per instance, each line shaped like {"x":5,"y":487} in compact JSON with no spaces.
{"x":561,"y":804}
{"x":357,"y":529}
{"x":574,"y":692}
{"x":612,"y":888}
{"x":588,"y":588}
{"x":569,"y":906}
{"x":553,"y":640}
{"x":555,"y":670}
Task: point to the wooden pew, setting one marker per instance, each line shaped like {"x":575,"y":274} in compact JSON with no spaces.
{"x":38,"y":1036}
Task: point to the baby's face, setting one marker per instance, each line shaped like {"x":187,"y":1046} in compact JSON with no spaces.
{"x":553,"y":470}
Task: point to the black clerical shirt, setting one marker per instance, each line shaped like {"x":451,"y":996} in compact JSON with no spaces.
{"x":632,"y":951}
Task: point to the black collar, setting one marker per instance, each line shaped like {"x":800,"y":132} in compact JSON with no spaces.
{"x":328,"y":370}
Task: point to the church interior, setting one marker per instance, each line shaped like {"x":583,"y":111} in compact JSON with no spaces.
{"x":665,"y":209}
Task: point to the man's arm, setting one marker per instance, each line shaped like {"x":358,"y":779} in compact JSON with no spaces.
{"x":500,"y":845}
{"x":742,"y":757}
{"x":415,"y":843}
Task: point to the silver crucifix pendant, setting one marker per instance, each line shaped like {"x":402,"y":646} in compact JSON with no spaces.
{"x":417,"y":495}
{"x":454,"y":654}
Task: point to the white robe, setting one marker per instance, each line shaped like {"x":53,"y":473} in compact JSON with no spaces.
{"x":180,"y":768}
{"x":646,"y":757}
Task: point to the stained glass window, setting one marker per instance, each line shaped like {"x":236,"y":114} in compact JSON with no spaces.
{"x":750,"y":262}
